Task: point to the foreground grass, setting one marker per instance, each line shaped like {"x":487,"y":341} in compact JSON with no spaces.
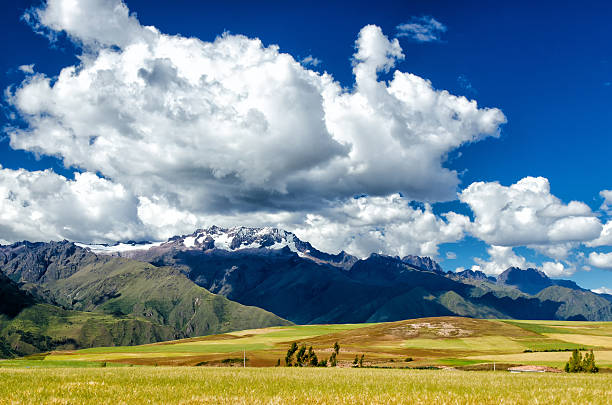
{"x":186,"y":385}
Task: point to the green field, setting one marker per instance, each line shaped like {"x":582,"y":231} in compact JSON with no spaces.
{"x":444,"y":341}
{"x":189,"y":385}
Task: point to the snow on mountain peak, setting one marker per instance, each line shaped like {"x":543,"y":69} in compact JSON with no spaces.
{"x":241,"y":237}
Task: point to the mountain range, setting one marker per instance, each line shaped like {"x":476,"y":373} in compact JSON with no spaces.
{"x":72,"y":295}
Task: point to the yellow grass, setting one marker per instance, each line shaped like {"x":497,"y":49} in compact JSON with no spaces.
{"x":602,"y":357}
{"x":161,"y":385}
{"x":587,"y":340}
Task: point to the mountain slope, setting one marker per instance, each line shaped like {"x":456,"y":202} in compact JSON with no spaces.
{"x":43,"y":327}
{"x":577,"y":305}
{"x":77,"y":279}
{"x":12,"y":299}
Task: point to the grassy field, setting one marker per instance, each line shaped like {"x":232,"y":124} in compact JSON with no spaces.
{"x":141,"y":374}
{"x":444,"y":341}
{"x":188,"y":385}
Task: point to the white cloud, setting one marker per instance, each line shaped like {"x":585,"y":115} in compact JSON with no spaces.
{"x":93,"y":23}
{"x":500,"y":259}
{"x":310,"y":61}
{"x":557,"y":269}
{"x":605,"y":238}
{"x":607,"y":203}
{"x":559,"y":251}
{"x":42,"y":205}
{"x":232,"y":125}
{"x":526,"y":213}
{"x":422,"y":29}
{"x":28,"y":69}
{"x":381,"y":224}
{"x":602,"y":290}
{"x":451,"y":255}
{"x":601,"y":260}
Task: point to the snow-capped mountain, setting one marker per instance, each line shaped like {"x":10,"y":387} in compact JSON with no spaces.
{"x":227,"y":239}
{"x":237,"y":238}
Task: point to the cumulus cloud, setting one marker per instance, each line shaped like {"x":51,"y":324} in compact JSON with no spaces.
{"x":92,"y":23}
{"x":500,"y":259}
{"x":422,"y":29}
{"x":233,"y":125}
{"x":557,"y":269}
{"x":601,"y":260}
{"x":381,"y":224}
{"x":526,"y":213}
{"x":605,"y":238}
{"x":43,"y":205}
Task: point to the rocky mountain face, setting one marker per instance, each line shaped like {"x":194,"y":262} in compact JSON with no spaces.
{"x":532,"y":281}
{"x":423,"y":263}
{"x":475,"y":275}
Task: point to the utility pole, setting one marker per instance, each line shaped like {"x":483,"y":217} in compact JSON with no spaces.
{"x":493,"y":366}
{"x":244,"y":358}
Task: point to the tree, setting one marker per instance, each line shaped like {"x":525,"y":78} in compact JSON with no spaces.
{"x":333,"y":362}
{"x":574,"y":365}
{"x":578,"y":364}
{"x":588,"y":364}
{"x":289,"y":356}
{"x":361,"y":360}
{"x":355,"y":361}
{"x":278,"y":363}
{"x":301,"y":356}
{"x":312,"y":357}
{"x":336,"y":348}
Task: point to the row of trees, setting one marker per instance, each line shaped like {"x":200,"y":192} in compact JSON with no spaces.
{"x":579,"y":364}
{"x":302,"y":357}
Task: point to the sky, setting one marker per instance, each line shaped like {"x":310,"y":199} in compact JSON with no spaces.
{"x":475,"y":133}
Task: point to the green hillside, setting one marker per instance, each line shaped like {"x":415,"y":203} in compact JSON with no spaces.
{"x":57,"y":295}
{"x":162,"y":295}
{"x":43,"y":327}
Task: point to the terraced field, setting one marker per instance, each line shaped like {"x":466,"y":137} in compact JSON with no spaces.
{"x":444,"y":341}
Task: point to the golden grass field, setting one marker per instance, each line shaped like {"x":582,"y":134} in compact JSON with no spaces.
{"x":189,"y":385}
{"x":454,"y":345}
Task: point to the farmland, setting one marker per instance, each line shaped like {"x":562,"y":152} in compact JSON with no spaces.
{"x":450,"y":344}
{"x":443,"y":341}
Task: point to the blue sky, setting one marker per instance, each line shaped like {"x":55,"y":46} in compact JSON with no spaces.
{"x":547,"y":67}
